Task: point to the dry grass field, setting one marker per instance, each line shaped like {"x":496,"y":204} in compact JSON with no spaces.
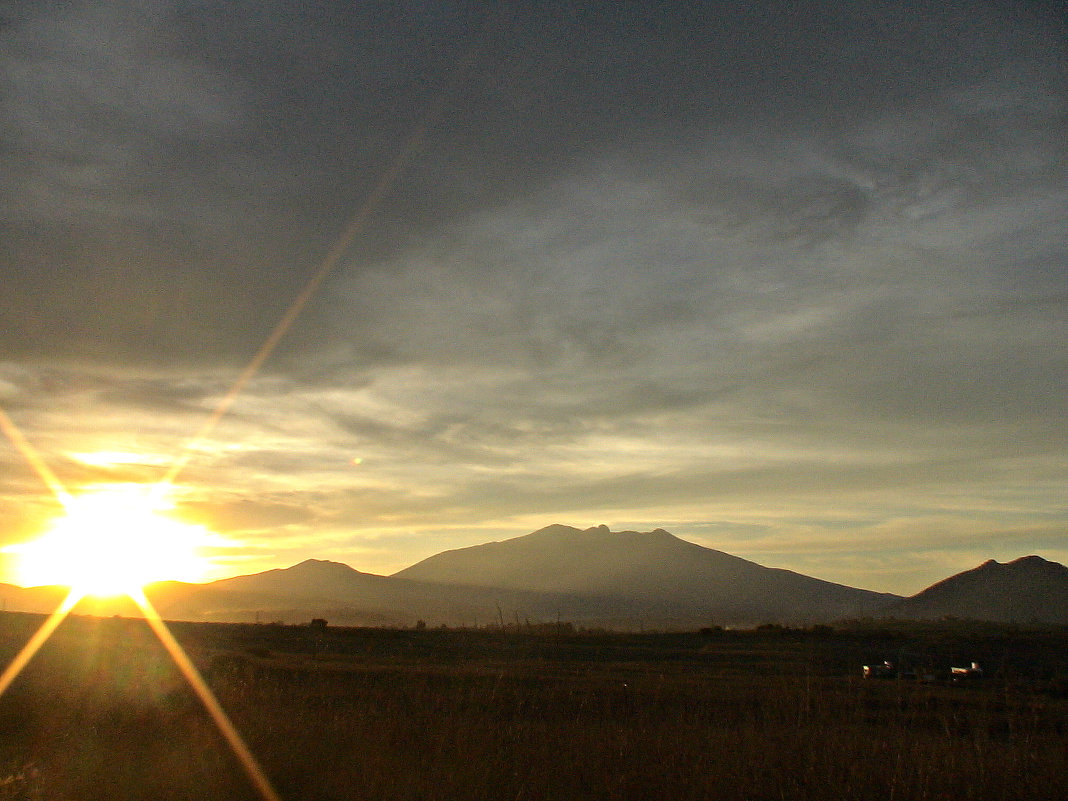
{"x":101,"y":713}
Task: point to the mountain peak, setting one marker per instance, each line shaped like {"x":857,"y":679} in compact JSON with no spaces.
{"x":1031,"y":560}
{"x":321,"y":566}
{"x":559,"y":530}
{"x":1026,"y":589}
{"x":310,"y":578}
{"x":1024,"y":563}
{"x":556,"y":530}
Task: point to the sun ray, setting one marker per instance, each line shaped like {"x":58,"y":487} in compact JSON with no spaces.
{"x":341,"y":245}
{"x":177,"y":653}
{"x":30,"y":649}
{"x":30,"y":454}
{"x":207,"y":697}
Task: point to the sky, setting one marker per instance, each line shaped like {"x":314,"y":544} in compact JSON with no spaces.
{"x":789,"y":280}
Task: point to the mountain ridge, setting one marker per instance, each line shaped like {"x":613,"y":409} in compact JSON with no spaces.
{"x":591,"y":577}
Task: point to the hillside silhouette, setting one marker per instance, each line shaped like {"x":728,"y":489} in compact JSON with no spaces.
{"x":1027,"y":590}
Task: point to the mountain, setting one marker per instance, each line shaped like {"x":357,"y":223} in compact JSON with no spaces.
{"x":312,"y":578}
{"x":300,"y":592}
{"x":1029,"y":589}
{"x":654,"y":574}
{"x":596,"y":577}
{"x":342,"y":595}
{"x":313,"y":588}
{"x":622,"y":580}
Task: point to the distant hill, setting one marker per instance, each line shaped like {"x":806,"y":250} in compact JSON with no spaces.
{"x":1029,"y":589}
{"x":654,"y":573}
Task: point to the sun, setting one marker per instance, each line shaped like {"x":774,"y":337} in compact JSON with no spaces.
{"x":112,"y":541}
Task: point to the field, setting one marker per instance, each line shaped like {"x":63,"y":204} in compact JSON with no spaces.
{"x":101,"y":713}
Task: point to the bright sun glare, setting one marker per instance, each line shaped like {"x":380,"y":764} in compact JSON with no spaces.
{"x":113,"y":541}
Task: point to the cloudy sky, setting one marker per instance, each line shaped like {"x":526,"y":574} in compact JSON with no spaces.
{"x":788,"y":280}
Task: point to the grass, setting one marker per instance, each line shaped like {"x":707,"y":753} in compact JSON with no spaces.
{"x":378,"y":714}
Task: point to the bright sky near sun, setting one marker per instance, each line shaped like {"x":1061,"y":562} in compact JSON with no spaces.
{"x":787,"y":279}
{"x":113,"y":540}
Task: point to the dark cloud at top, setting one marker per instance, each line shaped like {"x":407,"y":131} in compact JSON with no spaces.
{"x":817,"y":232}
{"x":175,"y":170}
